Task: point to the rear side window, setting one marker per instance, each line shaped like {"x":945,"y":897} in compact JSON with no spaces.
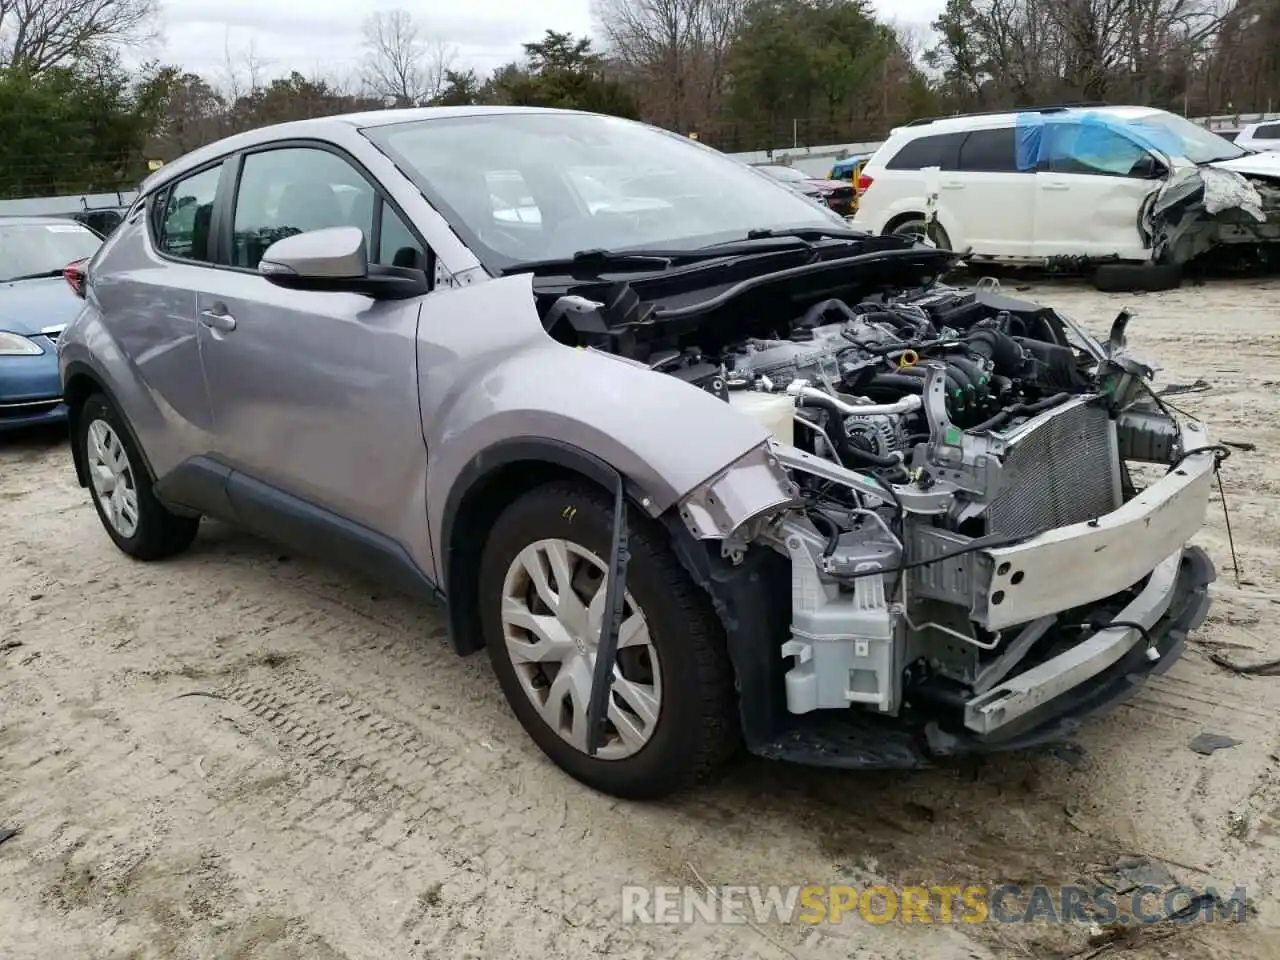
{"x":1268,"y":131}
{"x":990,"y":151}
{"x":182,"y":226}
{"x":936,"y":151}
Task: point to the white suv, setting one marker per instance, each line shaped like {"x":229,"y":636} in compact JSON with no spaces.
{"x":1065,"y":183}
{"x":1257,"y":137}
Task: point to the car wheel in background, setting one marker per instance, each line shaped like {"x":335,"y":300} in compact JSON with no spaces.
{"x":121,"y":488}
{"x":1137,"y":277}
{"x":672,"y":716}
{"x":917,"y":227}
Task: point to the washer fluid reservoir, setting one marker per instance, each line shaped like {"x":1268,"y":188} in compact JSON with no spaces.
{"x":773,"y":411}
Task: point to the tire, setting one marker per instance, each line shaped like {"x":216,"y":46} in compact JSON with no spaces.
{"x":154,"y":532}
{"x":1137,"y":277}
{"x":696,"y":729}
{"x":916,"y":227}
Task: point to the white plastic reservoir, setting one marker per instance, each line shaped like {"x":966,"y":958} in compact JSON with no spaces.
{"x":773,"y":411}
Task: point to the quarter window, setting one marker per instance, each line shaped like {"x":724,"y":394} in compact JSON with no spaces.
{"x":935,"y":151}
{"x":185,"y":216}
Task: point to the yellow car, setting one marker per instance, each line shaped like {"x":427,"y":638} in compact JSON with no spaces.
{"x":850,"y":168}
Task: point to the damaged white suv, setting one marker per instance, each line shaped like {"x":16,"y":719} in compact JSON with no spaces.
{"x":1072,"y":184}
{"x":695,"y":467}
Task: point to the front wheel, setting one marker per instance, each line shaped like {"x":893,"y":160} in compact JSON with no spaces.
{"x":671,"y":714}
{"x":136,"y":522}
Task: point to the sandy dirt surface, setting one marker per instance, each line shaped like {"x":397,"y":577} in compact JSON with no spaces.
{"x":240,"y":754}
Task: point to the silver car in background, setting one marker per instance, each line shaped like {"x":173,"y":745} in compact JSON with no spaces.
{"x":699,"y":466}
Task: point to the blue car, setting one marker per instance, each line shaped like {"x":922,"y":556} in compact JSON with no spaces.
{"x":39,"y":259}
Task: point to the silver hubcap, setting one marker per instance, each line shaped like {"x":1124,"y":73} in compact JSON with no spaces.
{"x":552,"y":606}
{"x":112,"y":478}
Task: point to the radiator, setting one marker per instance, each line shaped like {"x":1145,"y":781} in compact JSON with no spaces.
{"x":1059,"y":470}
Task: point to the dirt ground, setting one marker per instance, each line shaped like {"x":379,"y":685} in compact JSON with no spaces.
{"x":240,"y":754}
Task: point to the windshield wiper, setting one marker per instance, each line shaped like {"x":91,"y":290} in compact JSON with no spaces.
{"x":806,"y":233}
{"x":797,"y":239}
{"x":43,"y":274}
{"x":658,"y":259}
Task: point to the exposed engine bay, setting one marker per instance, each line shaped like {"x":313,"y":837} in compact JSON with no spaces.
{"x":949,"y":481}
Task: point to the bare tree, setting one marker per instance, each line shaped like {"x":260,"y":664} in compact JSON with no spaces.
{"x":38,"y":34}
{"x":401,"y":62}
{"x":243,"y":72}
{"x":677,"y":50}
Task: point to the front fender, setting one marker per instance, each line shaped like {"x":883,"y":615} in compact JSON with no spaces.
{"x":490,"y":375}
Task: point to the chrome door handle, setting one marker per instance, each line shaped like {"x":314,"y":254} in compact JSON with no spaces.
{"x":217,"y":321}
{"x":1055,"y":186}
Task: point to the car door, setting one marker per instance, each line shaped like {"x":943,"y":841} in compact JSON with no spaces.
{"x":145,"y":292}
{"x":991,"y":199}
{"x":314,"y":394}
{"x":1091,"y":184}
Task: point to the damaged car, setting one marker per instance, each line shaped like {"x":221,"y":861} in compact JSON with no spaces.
{"x":699,"y":474}
{"x":1132,"y":192}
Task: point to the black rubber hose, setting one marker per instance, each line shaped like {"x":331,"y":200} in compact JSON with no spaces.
{"x":977,"y":376}
{"x":912,"y":380}
{"x":820,"y":310}
{"x":896,"y":320}
{"x":1003,"y":351}
{"x":1020,"y":408}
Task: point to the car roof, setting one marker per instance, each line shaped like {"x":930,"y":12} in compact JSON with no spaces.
{"x":969,"y":121}
{"x":33,"y":221}
{"x":320,"y":127}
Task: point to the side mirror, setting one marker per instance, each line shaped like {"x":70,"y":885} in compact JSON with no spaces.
{"x":336,"y":260}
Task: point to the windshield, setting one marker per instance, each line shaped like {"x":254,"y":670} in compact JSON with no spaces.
{"x":785,"y":173}
{"x":42,"y":249}
{"x":524,"y":187}
{"x":1177,"y":135}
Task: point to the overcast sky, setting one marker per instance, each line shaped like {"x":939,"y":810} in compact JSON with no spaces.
{"x":323,"y":36}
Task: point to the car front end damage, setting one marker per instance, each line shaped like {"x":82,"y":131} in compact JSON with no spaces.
{"x":1202,"y":208}
{"x":955,"y":556}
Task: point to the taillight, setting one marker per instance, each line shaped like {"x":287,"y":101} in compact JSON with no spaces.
{"x":864,"y":183}
{"x":73,"y":273}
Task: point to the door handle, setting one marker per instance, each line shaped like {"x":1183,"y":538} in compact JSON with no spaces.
{"x":953,"y":185}
{"x":217,"y":319}
{"x":1055,"y":186}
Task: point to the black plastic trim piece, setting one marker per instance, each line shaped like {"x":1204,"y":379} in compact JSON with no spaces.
{"x":463,"y":632}
{"x":314,"y":531}
{"x":198,"y":485}
{"x":77,"y":368}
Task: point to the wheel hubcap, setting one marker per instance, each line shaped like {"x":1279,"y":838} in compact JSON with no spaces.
{"x":553,"y":602}
{"x":112,"y":478}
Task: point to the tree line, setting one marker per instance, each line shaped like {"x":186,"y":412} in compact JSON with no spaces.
{"x":737,"y":74}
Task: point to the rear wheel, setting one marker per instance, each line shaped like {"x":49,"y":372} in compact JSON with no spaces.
{"x":121,"y":489}
{"x":919,"y":228}
{"x":671,"y":717}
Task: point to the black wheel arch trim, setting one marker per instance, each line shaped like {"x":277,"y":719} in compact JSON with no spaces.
{"x":78,"y":368}
{"x":464,"y":632}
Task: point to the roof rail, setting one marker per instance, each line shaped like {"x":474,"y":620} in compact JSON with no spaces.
{"x":1052,"y":108}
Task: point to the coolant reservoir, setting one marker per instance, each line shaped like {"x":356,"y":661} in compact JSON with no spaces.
{"x":773,"y":411}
